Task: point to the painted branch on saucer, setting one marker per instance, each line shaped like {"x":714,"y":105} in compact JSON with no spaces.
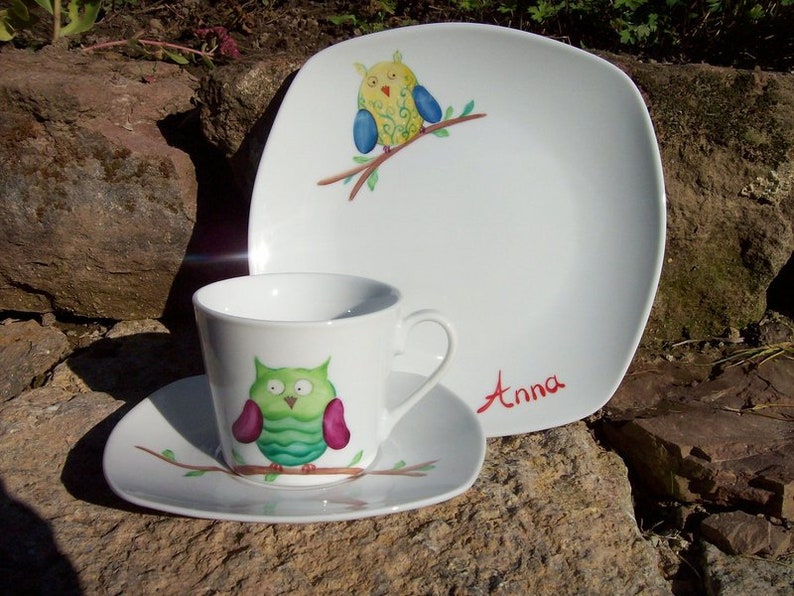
{"x":399,"y":469}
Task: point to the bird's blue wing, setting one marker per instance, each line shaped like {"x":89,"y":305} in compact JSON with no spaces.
{"x":365,"y":131}
{"x":426,"y":104}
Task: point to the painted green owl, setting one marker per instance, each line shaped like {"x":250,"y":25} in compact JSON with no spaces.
{"x":293,"y":414}
{"x":392,"y":107}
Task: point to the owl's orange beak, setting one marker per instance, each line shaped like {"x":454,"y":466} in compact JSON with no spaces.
{"x":290,"y":401}
{"x":386,"y":90}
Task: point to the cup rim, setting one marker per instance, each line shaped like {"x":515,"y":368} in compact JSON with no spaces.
{"x":389,"y":289}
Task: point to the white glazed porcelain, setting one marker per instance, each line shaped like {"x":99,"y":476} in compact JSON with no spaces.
{"x":532,"y":214}
{"x":298,"y":364}
{"x":164,"y":454}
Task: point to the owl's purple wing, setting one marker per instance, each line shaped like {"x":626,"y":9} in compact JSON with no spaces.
{"x":335,"y":431}
{"x":248,"y":425}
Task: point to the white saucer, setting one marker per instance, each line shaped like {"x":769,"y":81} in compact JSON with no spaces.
{"x":433,"y":454}
{"x":536,"y":227}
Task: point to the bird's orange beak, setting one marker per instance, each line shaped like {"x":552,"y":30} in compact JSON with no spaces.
{"x":386,"y":90}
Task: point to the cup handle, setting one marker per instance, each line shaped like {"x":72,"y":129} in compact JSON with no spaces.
{"x":404,"y":328}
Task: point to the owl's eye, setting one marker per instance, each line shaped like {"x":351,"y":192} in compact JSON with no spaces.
{"x":275,"y":387}
{"x":303,"y":387}
{"x":392,"y":74}
{"x":372,"y":81}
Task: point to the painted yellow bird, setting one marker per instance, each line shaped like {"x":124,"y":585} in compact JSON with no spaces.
{"x":392,"y":107}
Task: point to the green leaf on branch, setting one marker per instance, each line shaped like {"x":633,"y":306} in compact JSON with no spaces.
{"x":168,"y":454}
{"x":194,"y":473}
{"x":372,"y":180}
{"x":356,"y":458}
{"x":441,"y":132}
{"x":467,"y":109}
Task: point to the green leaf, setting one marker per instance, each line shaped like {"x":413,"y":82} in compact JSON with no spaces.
{"x":194,"y":473}
{"x":362,"y":159}
{"x":441,"y":132}
{"x":427,"y":468}
{"x":6,"y":29}
{"x":356,"y":458}
{"x":341,"y":19}
{"x":15,"y":18}
{"x":372,"y":180}
{"x":448,"y":113}
{"x":176,"y":57}
{"x":270,"y":477}
{"x":46,"y":5}
{"x":168,"y":454}
{"x":81,"y":21}
{"x":468,"y":108}
{"x":398,"y":465}
{"x":238,"y":459}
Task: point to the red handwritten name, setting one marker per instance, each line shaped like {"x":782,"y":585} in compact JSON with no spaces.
{"x":551,"y":385}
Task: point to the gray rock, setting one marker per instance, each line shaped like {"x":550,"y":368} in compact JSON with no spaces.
{"x":27,"y":352}
{"x":726,"y":575}
{"x":97,"y":207}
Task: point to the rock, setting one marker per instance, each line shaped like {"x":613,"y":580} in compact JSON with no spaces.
{"x":727,"y":142}
{"x":725,"y":441}
{"x":739,"y":533}
{"x":551,"y":511}
{"x":238,"y":104}
{"x":726,"y":575}
{"x":131,"y":360}
{"x":97,"y":208}
{"x":27,"y":352}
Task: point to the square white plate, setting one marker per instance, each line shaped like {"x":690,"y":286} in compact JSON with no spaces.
{"x":536,"y":226}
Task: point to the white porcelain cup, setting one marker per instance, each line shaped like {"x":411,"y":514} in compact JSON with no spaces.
{"x":298,"y":365}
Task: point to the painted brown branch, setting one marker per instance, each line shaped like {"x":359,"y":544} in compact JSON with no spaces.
{"x":250,"y":470}
{"x":173,"y":462}
{"x":367,"y":168}
{"x":414,"y":470}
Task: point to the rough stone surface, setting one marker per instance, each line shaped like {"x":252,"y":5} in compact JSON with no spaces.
{"x":739,"y":576}
{"x":550,"y":512}
{"x":27,"y":352}
{"x":727,"y":143}
{"x":239,"y":103}
{"x":739,"y":533}
{"x":97,"y":208}
{"x":725,"y":441}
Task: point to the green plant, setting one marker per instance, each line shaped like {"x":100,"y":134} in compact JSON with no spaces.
{"x":79,"y":17}
{"x":370,"y":19}
{"x":215,"y":41}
